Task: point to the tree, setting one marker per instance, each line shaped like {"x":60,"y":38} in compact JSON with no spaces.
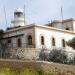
{"x":71,"y":43}
{"x":58,"y":55}
{"x":2,"y":44}
{"x":1,"y":35}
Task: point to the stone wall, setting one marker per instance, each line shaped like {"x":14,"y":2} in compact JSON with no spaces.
{"x":24,"y":53}
{"x":33,"y":53}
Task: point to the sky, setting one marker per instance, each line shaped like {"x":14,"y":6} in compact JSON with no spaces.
{"x":36,"y":11}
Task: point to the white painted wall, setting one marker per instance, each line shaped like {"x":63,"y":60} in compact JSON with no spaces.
{"x":68,"y":24}
{"x":64,"y":25}
{"x":58,"y":25}
{"x":48,"y":34}
{"x":17,"y":22}
{"x":74,"y":25}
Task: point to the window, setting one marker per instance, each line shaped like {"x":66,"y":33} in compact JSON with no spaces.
{"x":18,"y":14}
{"x":29,"y":40}
{"x":53,"y":41}
{"x":9,"y":41}
{"x":63,"y":43}
{"x":19,"y":43}
{"x":67,"y":28}
{"x":42,"y":40}
{"x":9,"y":44}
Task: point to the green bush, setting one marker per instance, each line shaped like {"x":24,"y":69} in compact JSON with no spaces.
{"x":7,"y":71}
{"x":40,"y":72}
{"x":28,"y":72}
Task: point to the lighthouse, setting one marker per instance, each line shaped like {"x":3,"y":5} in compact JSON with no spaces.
{"x":18,"y":18}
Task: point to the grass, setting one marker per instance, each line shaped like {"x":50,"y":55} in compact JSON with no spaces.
{"x":26,"y":71}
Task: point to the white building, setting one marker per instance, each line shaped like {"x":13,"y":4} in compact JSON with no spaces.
{"x":36,"y":36}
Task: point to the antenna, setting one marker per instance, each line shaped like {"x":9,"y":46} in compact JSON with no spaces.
{"x":62,"y":14}
{"x":5,"y":16}
{"x":51,"y":23}
{"x":24,"y":14}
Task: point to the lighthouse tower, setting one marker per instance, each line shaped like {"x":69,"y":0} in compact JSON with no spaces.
{"x":18,"y":18}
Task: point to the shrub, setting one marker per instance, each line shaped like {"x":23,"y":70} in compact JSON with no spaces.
{"x":43,"y":54}
{"x":40,"y":72}
{"x":58,"y":55}
{"x":72,"y":61}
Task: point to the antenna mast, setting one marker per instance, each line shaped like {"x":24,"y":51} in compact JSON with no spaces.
{"x":5,"y":16}
{"x":24,"y":14}
{"x":62,"y":14}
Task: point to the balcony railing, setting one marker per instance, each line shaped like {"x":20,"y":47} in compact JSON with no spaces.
{"x":23,"y":45}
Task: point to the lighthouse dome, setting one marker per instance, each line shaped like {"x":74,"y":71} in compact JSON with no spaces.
{"x":19,"y":10}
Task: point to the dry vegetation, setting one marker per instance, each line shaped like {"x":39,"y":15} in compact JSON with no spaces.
{"x":58,"y":69}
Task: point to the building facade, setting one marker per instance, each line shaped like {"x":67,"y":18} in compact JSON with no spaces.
{"x":39,"y":36}
{"x":33,"y":37}
{"x":52,"y":35}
